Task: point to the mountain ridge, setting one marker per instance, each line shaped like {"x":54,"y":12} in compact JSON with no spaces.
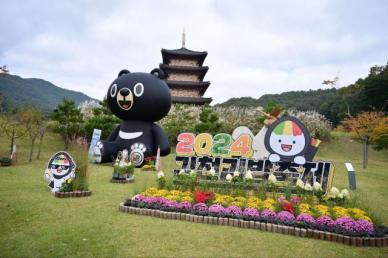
{"x":17,"y":92}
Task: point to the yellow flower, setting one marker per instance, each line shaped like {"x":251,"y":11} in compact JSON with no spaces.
{"x":304,"y":208}
{"x":269,"y":201}
{"x":366,"y":218}
{"x":187,"y":199}
{"x":340,"y":212}
{"x":161,"y":193}
{"x":150,"y":191}
{"x":175,"y":192}
{"x":356,"y":213}
{"x":322,"y":209}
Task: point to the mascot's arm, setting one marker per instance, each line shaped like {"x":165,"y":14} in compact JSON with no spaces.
{"x":161,"y":140}
{"x":113,"y":135}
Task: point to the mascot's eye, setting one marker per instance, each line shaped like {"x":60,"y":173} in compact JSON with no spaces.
{"x":293,"y":142}
{"x":280,"y":140}
{"x":138,"y":89}
{"x":113,"y":90}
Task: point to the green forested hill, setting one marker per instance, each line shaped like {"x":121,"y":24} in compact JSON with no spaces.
{"x":17,"y":92}
{"x":327,"y":102}
{"x":369,"y":93}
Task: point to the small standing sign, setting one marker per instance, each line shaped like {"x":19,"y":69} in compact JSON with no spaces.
{"x":351,"y":176}
{"x":95,"y":138}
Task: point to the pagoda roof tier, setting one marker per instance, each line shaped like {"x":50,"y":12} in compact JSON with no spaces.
{"x":201,"y":86}
{"x":197,"y":70}
{"x":191,"y":100}
{"x":183,"y":53}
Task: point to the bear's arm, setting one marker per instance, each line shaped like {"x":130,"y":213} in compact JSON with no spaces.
{"x":161,"y":140}
{"x":113,"y":135}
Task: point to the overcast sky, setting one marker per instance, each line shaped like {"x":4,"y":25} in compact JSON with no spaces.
{"x":254,"y":47}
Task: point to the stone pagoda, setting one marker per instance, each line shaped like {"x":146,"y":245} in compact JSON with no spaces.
{"x":184,"y":74}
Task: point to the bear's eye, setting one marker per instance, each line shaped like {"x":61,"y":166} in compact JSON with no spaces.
{"x":113,"y":90}
{"x":293,"y":142}
{"x":138,"y":89}
{"x":280,"y":140}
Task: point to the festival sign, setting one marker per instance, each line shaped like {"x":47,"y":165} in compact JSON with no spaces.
{"x":285,"y":149}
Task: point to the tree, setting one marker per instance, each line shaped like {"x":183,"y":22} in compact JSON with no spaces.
{"x":364,"y":126}
{"x":32,"y":120}
{"x":209,"y":121}
{"x":380,"y":135}
{"x":69,"y":120}
{"x":11,"y":126}
{"x":103,"y":119}
{"x":181,"y":118}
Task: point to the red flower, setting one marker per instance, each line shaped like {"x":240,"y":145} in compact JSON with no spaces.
{"x":287,"y":206}
{"x":203,"y":196}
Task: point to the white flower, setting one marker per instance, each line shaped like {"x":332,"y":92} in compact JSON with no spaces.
{"x":160,"y":174}
{"x":193,"y":172}
{"x":182,"y":172}
{"x":345,"y":193}
{"x":272,"y":179}
{"x":211,"y":172}
{"x":236,"y":173}
{"x":248,"y":175}
{"x":317,"y":187}
{"x":308,"y":187}
{"x":229,"y":177}
{"x":334,"y":192}
{"x":299,"y":183}
{"x":340,"y":196}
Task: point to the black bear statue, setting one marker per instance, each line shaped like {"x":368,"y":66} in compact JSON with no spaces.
{"x":139,"y":99}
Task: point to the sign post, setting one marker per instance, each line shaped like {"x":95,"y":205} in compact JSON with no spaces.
{"x":351,"y":175}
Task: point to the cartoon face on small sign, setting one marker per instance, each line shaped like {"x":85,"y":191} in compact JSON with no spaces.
{"x":60,"y":167}
{"x":287,"y":140}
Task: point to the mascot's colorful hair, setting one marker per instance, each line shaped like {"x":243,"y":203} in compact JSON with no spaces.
{"x":288,"y":128}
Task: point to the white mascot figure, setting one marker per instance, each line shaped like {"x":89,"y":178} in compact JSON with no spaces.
{"x":60,"y":167}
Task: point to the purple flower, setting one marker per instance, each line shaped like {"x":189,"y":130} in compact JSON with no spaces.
{"x":295,"y":200}
{"x":303,"y":217}
{"x":344,"y":223}
{"x":362,"y":225}
{"x":138,"y":197}
{"x":251,"y":213}
{"x":200,"y":207}
{"x":233,"y":211}
{"x":170,"y":204}
{"x":324,"y":221}
{"x":285,"y":216}
{"x":268,"y":213}
{"x":184,"y":205}
{"x":216,"y":210}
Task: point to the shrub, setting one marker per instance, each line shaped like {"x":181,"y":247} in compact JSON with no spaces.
{"x":317,"y":124}
{"x":5,"y":161}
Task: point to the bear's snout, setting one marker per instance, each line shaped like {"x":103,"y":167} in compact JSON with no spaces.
{"x":124,"y":92}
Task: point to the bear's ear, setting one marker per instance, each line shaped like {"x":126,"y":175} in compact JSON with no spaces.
{"x":158,"y":73}
{"x":122,"y":72}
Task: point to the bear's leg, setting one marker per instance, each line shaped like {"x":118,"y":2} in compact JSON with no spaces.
{"x":105,"y":151}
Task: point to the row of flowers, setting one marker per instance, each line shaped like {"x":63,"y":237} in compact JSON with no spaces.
{"x":294,"y":205}
{"x":343,"y":225}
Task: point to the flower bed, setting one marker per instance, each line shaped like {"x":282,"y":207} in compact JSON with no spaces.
{"x":347,"y":222}
{"x":122,"y":181}
{"x":258,"y":225}
{"x":72,"y":194}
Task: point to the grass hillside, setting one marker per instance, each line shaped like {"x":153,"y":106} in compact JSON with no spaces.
{"x":34,"y":223}
{"x":17,"y":92}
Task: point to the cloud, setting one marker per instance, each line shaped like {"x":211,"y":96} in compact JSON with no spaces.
{"x":255,"y":47}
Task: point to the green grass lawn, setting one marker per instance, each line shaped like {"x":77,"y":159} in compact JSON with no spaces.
{"x":34,"y":223}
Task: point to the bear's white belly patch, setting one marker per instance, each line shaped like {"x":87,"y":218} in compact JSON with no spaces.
{"x":128,"y":136}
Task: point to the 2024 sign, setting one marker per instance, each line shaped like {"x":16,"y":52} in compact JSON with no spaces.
{"x":221,"y":144}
